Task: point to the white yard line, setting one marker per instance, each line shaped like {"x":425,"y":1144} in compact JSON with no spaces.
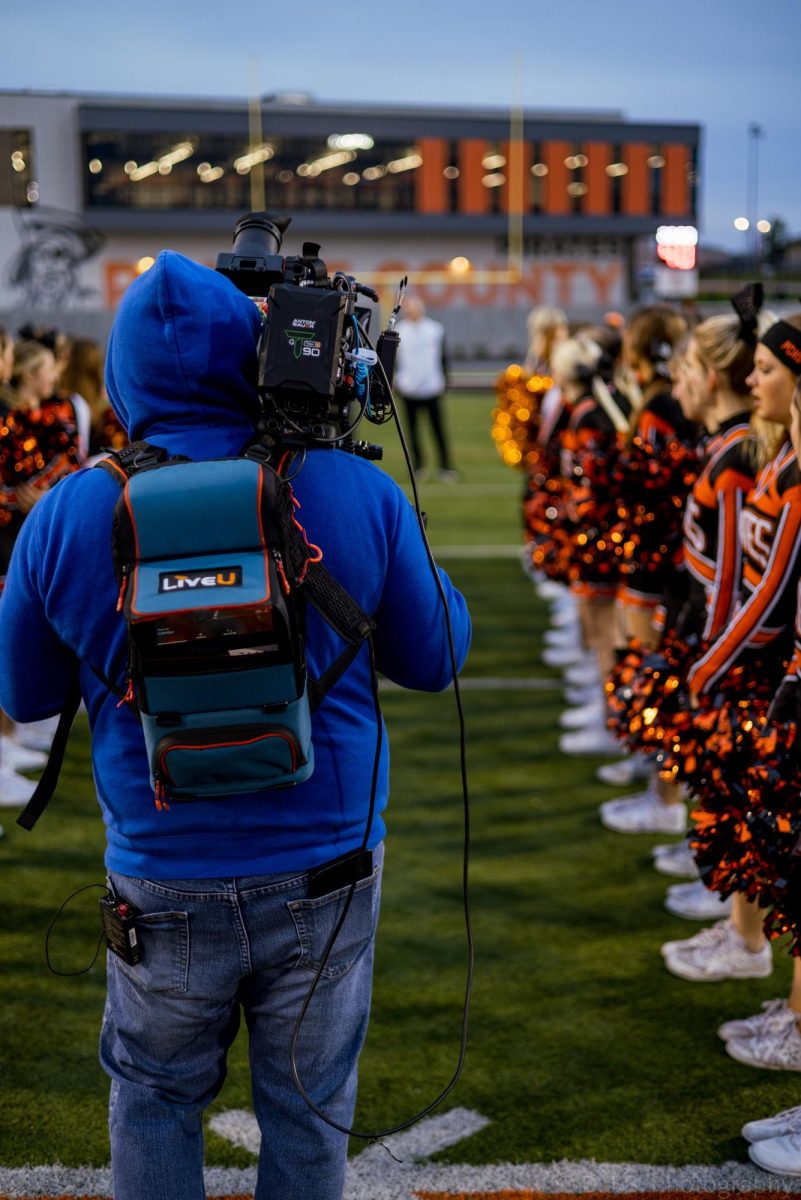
{"x":375,"y":1174}
{"x":386,"y":1180}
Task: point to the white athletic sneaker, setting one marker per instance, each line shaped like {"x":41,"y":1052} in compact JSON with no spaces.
{"x":775,"y":1015}
{"x":14,"y":790}
{"x":582,"y":695}
{"x":565,"y":637}
{"x":584,"y":674}
{"x":628,"y":770}
{"x":18,"y":758}
{"x":775,"y":1049}
{"x":548,"y":589}
{"x":717,"y":953}
{"x":38,"y":735}
{"x":696,"y":902}
{"x":593,"y":739}
{"x":592,"y":713}
{"x":643,"y":813}
{"x":563,"y":614}
{"x":675,"y":859}
{"x":565,"y":656}
{"x":787,"y":1121}
{"x":779,"y":1155}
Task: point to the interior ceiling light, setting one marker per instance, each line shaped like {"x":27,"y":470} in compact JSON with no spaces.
{"x":350,"y":141}
{"x":245,"y":161}
{"x":491,"y":162}
{"x":405,"y":164}
{"x":148,"y":168}
{"x":494,"y":180}
{"x":162,"y":165}
{"x":326,"y":163}
{"x":177,"y":154}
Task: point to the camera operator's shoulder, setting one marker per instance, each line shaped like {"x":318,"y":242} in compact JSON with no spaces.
{"x":77,"y":499}
{"x":339,"y":471}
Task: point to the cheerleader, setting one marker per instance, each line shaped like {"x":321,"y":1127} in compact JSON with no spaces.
{"x":751,"y":649}
{"x":771,"y":1037}
{"x":648,"y":345}
{"x":36,"y":450}
{"x":547,"y":327}
{"x":83,"y":392}
{"x":599,"y":416}
{"x":710,"y":385}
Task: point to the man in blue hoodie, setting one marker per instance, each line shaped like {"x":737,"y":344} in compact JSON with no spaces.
{"x":226,"y":922}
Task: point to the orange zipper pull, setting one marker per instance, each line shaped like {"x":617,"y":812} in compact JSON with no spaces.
{"x":129,"y":696}
{"x":123,"y":590}
{"x":161,"y":803}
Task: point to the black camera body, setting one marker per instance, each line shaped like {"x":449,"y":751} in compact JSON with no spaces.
{"x":317,"y":373}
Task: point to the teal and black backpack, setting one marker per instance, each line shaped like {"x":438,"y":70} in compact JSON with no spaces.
{"x":215,"y":572}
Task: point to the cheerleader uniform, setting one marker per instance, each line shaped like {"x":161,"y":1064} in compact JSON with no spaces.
{"x":589,"y":442}
{"x":711,"y":528}
{"x":660,"y":426}
{"x":35,"y":447}
{"x":708,"y":587}
{"x":770,"y":535}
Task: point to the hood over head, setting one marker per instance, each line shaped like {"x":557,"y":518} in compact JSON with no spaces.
{"x":182,"y":363}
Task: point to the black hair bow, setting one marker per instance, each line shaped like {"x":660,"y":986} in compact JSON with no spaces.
{"x":747,"y":304}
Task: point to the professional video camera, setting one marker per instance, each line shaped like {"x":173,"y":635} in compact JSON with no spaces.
{"x":318,"y":371}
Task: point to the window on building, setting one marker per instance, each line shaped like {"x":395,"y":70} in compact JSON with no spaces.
{"x":189,"y":170}
{"x":18,"y":186}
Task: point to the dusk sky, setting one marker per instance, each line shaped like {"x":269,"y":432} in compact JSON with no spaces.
{"x":722,"y":63}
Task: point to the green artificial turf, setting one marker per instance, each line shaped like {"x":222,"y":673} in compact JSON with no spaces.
{"x":581,"y":1044}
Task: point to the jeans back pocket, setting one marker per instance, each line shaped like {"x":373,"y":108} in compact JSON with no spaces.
{"x":315,"y":921}
{"x":164,"y":952}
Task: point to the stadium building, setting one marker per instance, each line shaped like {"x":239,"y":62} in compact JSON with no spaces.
{"x":488,"y":213}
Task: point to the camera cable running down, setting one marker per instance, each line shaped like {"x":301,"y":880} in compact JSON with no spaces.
{"x":377,"y":1135}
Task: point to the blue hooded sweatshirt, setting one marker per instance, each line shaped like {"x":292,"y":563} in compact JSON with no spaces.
{"x":181,"y":373}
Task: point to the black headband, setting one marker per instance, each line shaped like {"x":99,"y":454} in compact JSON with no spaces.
{"x":784,"y":340}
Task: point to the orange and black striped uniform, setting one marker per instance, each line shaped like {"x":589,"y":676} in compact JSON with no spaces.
{"x":659,"y":422}
{"x":587,"y":440}
{"x":770,"y":536}
{"x":711,"y":547}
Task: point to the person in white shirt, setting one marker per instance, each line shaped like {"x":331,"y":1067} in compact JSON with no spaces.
{"x":421,"y":379}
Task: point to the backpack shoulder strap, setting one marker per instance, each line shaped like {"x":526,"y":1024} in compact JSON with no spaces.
{"x":47,"y":784}
{"x":315,"y":584}
{"x":138,"y":456}
{"x":120,"y":465}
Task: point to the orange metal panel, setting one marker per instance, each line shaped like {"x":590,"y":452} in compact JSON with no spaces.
{"x":473,"y":196}
{"x":598,"y":200}
{"x":558,"y":177}
{"x":519,"y":157}
{"x":675,"y":189}
{"x":635,"y":183}
{"x":431,"y":192}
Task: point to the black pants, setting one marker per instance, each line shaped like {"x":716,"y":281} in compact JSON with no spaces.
{"x":433,"y":406}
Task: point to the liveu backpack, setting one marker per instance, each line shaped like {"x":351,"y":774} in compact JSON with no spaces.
{"x":214,"y":572}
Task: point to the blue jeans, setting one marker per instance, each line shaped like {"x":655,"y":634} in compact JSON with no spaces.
{"x":209,"y":948}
